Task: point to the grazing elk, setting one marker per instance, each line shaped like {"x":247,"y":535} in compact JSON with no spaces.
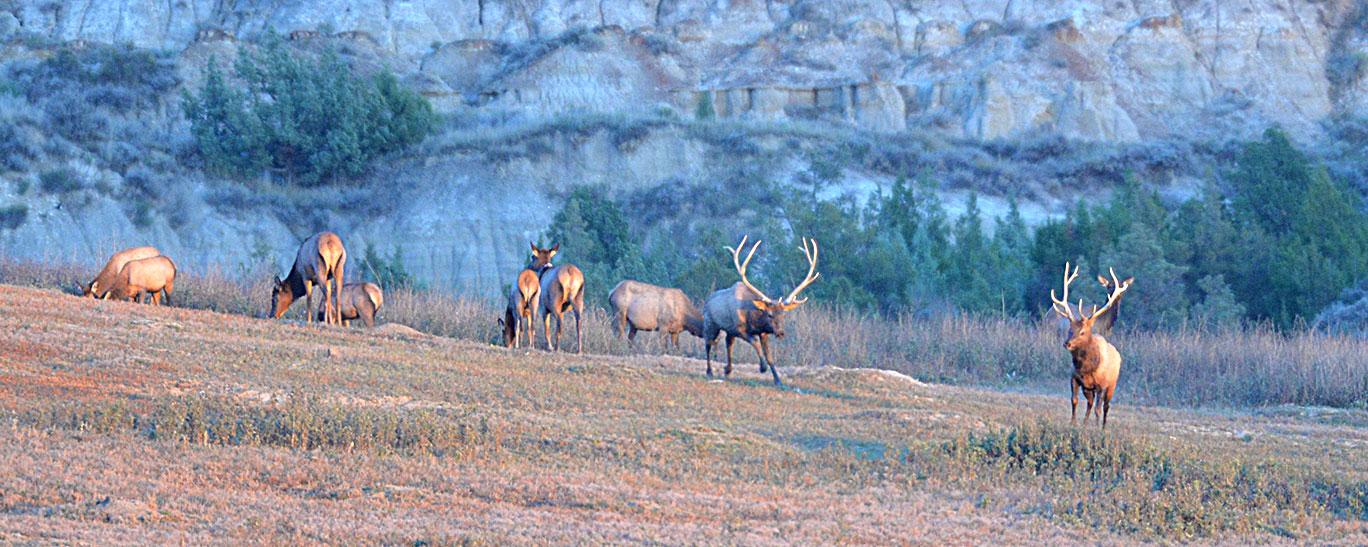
{"x":1097,"y":364}
{"x":145,"y":276}
{"x":641,"y":306}
{"x":744,"y":312}
{"x":523,"y":299}
{"x":359,"y":301}
{"x":562,"y":288}
{"x":105,"y":279}
{"x":320,"y":258}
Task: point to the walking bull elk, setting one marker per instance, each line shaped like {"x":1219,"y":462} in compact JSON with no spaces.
{"x":1097,"y":364}
{"x":744,"y":312}
{"x":641,"y":306}
{"x":320,"y":258}
{"x":359,"y":301}
{"x":105,"y":279}
{"x":142,"y":278}
{"x":562,"y":288}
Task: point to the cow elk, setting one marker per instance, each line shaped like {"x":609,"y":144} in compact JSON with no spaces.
{"x":1097,"y":364}
{"x":320,"y":258}
{"x":142,"y":278}
{"x":105,"y":279}
{"x":641,"y":306}
{"x":742,"y":311}
{"x":523,"y":299}
{"x":562,"y":288}
{"x":359,"y":301}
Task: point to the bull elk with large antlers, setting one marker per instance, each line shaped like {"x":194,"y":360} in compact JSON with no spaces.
{"x":744,"y":312}
{"x":562,"y":288}
{"x":320,"y":258}
{"x":1097,"y":364}
{"x":641,"y":306}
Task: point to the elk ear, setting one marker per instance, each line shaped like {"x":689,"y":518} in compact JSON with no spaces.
{"x":501,"y":323}
{"x":760,"y":305}
{"x":277,"y":280}
{"x":555,"y":248}
{"x":94,"y":286}
{"x":1104,"y":281}
{"x":534,"y":247}
{"x":1128,"y":281}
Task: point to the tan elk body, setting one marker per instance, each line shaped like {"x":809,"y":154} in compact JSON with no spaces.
{"x":1097,"y":364}
{"x":641,"y":306}
{"x":742,"y":311}
{"x":320,"y":259}
{"x":359,"y":301}
{"x":562,"y":289}
{"x":523,"y":299}
{"x":145,"y":277}
{"x":105,"y":279}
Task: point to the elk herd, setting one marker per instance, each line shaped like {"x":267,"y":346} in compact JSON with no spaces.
{"x":546,"y":291}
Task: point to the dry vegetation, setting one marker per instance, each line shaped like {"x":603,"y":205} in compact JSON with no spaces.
{"x":132,"y":423}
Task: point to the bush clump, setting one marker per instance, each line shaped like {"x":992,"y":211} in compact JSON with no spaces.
{"x":313,"y":120}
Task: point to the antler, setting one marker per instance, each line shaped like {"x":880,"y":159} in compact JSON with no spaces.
{"x":1111,"y":298}
{"x":1061,"y":307}
{"x":811,"y":276}
{"x":741,"y":266}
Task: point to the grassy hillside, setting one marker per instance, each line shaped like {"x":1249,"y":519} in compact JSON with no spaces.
{"x":132,"y":423}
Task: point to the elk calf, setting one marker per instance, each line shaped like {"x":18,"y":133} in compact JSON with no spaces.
{"x":359,"y":301}
{"x":562,"y":288}
{"x":1097,"y":364}
{"x":641,"y":306}
{"x":744,"y":312}
{"x":523,"y":299}
{"x":320,"y":258}
{"x":141,"y":278}
{"x":110,"y":272}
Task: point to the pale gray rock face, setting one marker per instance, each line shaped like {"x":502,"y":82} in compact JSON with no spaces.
{"x":1083,"y":69}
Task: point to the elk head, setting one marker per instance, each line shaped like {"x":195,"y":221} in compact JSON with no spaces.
{"x":1081,"y":325}
{"x":770,"y":320}
{"x":541,"y":258}
{"x":281,"y":297}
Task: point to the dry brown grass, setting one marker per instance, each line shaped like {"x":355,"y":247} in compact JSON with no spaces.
{"x":129,"y":423}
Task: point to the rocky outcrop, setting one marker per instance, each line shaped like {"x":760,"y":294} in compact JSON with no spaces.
{"x":1077,"y":68}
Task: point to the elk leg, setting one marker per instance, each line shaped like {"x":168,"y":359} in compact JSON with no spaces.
{"x":1089,"y":394}
{"x":560,"y":322}
{"x":674,"y":340}
{"x":308,"y":300}
{"x":338,"y":279}
{"x":707,"y":350}
{"x":546,"y":328}
{"x":730,"y":340}
{"x":764,"y":357}
{"x":769,"y":359}
{"x":579,"y":332}
{"x":631,"y":335}
{"x":1106,"y":405}
{"x":1073,"y":387}
{"x":169,"y":287}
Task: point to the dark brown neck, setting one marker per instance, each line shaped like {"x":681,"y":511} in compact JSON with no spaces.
{"x":1087,"y":358}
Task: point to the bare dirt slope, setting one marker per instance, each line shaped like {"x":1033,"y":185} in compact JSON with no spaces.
{"x":126,"y":423}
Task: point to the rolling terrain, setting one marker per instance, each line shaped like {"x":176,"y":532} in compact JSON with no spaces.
{"x":131,"y":424}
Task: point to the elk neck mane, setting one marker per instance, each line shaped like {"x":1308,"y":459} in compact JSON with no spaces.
{"x":1088,"y":357}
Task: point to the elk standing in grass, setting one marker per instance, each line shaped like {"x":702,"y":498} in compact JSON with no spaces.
{"x":744,"y":312}
{"x":147,"y":276}
{"x":523,"y":299}
{"x":359,"y":301}
{"x":1097,"y":364}
{"x":320,"y":258}
{"x":562,"y":288}
{"x":641,"y":306}
{"x":105,"y":279}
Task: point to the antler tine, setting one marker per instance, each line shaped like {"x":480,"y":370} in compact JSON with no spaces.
{"x":1063,"y":304}
{"x":1111,"y":298}
{"x":811,"y":276}
{"x":741,"y":266}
